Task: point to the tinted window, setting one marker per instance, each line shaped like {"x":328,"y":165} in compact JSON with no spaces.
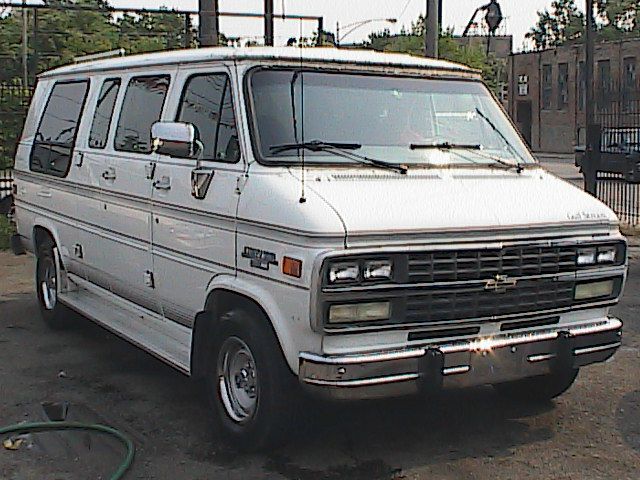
{"x":104,"y":112}
{"x":56,"y":135}
{"x":141,"y":108}
{"x":207,"y":104}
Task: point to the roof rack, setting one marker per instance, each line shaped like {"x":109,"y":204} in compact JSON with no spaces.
{"x":120,"y":52}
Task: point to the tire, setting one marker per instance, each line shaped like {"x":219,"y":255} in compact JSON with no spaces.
{"x":249,"y":386}
{"x":538,"y":389}
{"x":54,"y":314}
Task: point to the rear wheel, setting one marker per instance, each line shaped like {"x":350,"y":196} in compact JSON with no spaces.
{"x":538,"y":389}
{"x":251,"y":390}
{"x":54,"y":314}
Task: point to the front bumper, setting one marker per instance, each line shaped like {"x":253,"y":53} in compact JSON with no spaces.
{"x":464,"y":363}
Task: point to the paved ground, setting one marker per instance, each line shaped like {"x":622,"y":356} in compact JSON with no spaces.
{"x":592,"y":432}
{"x":561,"y":165}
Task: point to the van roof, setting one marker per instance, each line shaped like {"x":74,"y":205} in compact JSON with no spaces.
{"x":307,"y":55}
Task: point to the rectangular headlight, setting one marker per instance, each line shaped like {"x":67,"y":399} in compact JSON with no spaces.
{"x":359,"y":312}
{"x":608,"y":254}
{"x":377,"y":270}
{"x":586,"y":256}
{"x":585,"y":291}
{"x":344,"y":272}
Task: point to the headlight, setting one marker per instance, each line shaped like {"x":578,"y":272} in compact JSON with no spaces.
{"x":607,"y":254}
{"x":585,"y":291}
{"x":344,"y":272}
{"x":378,"y":270}
{"x":586,"y":256}
{"x":359,"y":312}
{"x":601,"y":255}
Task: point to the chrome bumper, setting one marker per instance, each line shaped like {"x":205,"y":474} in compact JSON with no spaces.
{"x":465,"y":363}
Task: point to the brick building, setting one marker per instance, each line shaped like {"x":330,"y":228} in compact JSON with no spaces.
{"x":548,"y":90}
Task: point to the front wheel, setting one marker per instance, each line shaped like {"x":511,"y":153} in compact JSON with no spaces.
{"x":52,"y":311}
{"x":251,"y":390}
{"x":538,"y":389}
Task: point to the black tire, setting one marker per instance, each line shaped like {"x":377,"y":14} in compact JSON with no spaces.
{"x":262,"y":420}
{"x":538,"y":389}
{"x":54,"y":314}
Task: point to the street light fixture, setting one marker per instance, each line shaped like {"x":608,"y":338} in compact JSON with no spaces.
{"x":355,"y":25}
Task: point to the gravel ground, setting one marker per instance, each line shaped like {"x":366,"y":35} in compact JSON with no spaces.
{"x":592,"y":432}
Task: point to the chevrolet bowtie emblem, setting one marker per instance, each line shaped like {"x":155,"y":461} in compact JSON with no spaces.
{"x":500,"y":284}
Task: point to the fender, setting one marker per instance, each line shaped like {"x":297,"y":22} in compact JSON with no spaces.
{"x":265,"y":300}
{"x":48,"y":225}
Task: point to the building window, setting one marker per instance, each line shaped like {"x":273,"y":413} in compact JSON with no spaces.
{"x":604,"y":83}
{"x":629,"y":84}
{"x":563,"y":86}
{"x":547,"y":87}
{"x":582,"y":85}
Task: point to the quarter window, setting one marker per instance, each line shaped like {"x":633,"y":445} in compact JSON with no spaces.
{"x":56,"y":135}
{"x":207,"y":103}
{"x":104,"y":112}
{"x":141,"y":108}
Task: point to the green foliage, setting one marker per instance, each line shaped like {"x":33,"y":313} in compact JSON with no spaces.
{"x":615,"y":20}
{"x":6,"y":230}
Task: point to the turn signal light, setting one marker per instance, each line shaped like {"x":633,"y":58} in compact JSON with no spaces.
{"x":292,"y":267}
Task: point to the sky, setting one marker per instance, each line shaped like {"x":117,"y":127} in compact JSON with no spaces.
{"x":520,"y":15}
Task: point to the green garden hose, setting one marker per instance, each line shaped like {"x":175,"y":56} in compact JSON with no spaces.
{"x":36,"y":427}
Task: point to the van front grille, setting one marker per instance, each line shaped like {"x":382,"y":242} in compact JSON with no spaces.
{"x":513,"y":261}
{"x":526,"y":296}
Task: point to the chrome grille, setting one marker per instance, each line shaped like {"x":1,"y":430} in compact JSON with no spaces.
{"x":526,"y":296}
{"x":514,"y":261}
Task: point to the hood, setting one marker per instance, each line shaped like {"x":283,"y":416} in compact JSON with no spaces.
{"x":424,"y":202}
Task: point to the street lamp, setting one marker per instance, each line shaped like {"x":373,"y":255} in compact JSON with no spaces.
{"x":355,"y":25}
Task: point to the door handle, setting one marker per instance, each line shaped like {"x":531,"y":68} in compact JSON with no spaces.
{"x":163,"y":184}
{"x":44,"y":193}
{"x":79,"y":159}
{"x":109,"y":174}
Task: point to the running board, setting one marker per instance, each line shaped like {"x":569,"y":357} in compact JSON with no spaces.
{"x":167,"y":340}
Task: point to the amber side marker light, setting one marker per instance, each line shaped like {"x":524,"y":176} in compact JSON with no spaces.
{"x":292,"y":267}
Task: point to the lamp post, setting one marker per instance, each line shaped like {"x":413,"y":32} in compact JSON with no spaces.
{"x":355,"y":25}
{"x":589,"y":169}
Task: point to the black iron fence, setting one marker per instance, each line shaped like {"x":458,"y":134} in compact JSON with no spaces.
{"x":6,"y":181}
{"x":14,"y":104}
{"x":618,"y":115}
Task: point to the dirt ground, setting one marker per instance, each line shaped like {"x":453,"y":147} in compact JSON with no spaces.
{"x":592,"y":432}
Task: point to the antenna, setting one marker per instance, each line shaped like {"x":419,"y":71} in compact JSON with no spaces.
{"x":303,"y":198}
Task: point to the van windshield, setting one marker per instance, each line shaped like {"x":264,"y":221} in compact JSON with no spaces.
{"x":398,"y":120}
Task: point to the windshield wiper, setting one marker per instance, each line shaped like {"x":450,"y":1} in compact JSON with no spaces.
{"x":445,"y":146}
{"x":341,"y":149}
{"x":314,"y":146}
{"x":519,"y":165}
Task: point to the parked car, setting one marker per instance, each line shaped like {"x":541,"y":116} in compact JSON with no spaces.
{"x":347,"y":223}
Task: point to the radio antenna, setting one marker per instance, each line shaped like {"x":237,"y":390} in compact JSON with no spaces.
{"x":303,"y":198}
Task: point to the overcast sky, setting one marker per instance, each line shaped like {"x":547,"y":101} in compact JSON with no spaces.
{"x":520,"y":14}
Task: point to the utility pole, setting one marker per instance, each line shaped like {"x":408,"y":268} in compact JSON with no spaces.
{"x":209,"y":27}
{"x":268,"y":23}
{"x":592,"y":153}
{"x":25,"y":47}
{"x":431,"y":29}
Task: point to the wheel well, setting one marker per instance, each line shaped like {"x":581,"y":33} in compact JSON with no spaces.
{"x":40,"y":236}
{"x":208,"y":321}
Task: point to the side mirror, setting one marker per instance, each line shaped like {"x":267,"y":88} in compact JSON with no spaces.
{"x":176,"y":139}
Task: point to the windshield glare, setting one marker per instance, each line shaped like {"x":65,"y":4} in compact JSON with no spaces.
{"x":383,"y":114}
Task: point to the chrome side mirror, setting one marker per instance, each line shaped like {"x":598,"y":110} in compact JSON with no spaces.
{"x":176,"y":139}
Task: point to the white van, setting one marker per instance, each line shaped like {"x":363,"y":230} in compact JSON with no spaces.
{"x":358,"y":224}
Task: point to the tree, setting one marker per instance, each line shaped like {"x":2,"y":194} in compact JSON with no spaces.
{"x":615,"y":20}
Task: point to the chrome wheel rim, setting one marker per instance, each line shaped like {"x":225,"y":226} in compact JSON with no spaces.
{"x":237,"y":380}
{"x":48,"y":286}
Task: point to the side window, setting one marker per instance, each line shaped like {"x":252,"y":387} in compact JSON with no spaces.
{"x":56,"y":135}
{"x":104,"y":111}
{"x":207,"y":103}
{"x":141,"y":108}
